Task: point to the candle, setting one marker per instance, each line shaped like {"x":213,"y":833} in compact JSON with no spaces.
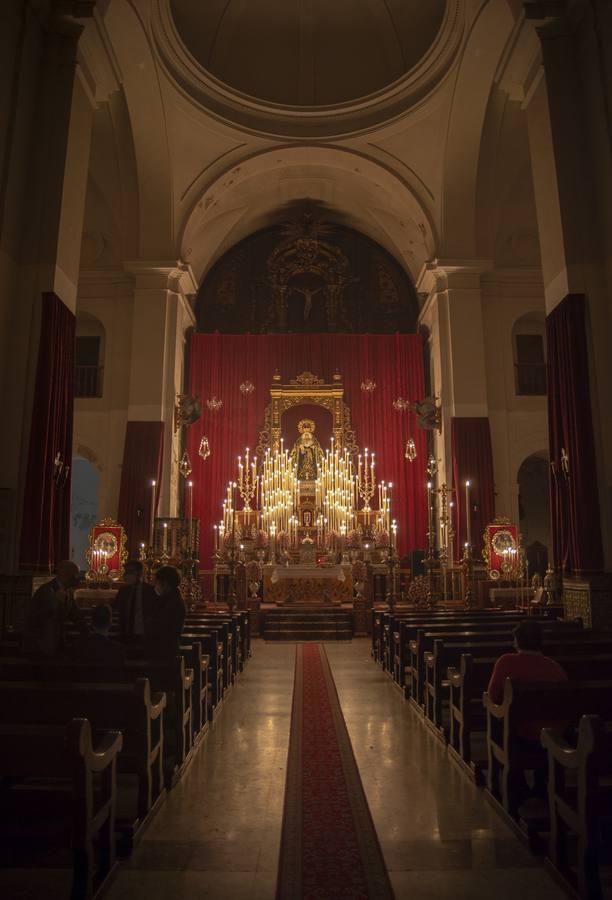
{"x":152,"y":525}
{"x":165,"y":539}
{"x":468,"y":523}
{"x":429,"y":510}
{"x":191,"y":515}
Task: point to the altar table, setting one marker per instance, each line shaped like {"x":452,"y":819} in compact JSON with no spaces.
{"x":308,"y":584}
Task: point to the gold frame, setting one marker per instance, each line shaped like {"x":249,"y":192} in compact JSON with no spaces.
{"x":307,"y":388}
{"x":123,"y":553}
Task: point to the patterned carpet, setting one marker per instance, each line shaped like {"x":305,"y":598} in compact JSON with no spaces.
{"x":329,"y":847}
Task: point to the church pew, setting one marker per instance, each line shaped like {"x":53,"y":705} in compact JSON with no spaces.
{"x":404,"y":629}
{"x":476,"y":631}
{"x":239,"y":622}
{"x":469,"y":680}
{"x":213,"y":648}
{"x":66,"y":764}
{"x":198,"y":661}
{"x":446,"y":653}
{"x":539,"y":704}
{"x":173,"y":679}
{"x":229,"y":634}
{"x":580,"y":800}
{"x":130,"y":709}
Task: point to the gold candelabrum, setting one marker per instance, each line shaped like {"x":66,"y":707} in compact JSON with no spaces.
{"x":247,"y":479}
{"x":445,"y":533}
{"x":366,"y":481}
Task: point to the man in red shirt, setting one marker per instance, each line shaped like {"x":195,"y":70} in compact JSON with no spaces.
{"x":528,"y":664}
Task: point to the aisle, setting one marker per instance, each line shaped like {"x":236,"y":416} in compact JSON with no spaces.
{"x":218,"y":835}
{"x":440,"y":838}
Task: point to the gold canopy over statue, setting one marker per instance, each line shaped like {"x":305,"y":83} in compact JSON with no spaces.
{"x":307,"y":453}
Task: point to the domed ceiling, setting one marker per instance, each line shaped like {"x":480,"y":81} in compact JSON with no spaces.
{"x":308,"y":52}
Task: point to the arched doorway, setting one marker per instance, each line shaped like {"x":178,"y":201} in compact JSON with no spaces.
{"x":83,"y":507}
{"x":534,"y":510}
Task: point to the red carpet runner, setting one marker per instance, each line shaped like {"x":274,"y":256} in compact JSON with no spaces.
{"x":329,"y":847}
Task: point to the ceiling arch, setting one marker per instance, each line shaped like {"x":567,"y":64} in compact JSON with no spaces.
{"x":351,"y":189}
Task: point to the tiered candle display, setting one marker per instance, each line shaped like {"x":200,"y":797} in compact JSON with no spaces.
{"x":342,"y":496}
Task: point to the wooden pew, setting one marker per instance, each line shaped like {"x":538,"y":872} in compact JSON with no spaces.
{"x":560,"y":638}
{"x":130,"y":709}
{"x":198,"y":661}
{"x":579,"y":807}
{"x":213,"y":649}
{"x":57,"y":757}
{"x":173,"y":679}
{"x":469,"y":681}
{"x":222,"y":627}
{"x":477,"y":632}
{"x":540,"y":704}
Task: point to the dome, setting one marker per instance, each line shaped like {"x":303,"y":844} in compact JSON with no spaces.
{"x":308,"y":52}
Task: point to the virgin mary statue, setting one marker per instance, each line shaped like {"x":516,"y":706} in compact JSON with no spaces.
{"x":307,"y":453}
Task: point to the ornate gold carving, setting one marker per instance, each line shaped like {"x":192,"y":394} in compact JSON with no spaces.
{"x":307,"y":378}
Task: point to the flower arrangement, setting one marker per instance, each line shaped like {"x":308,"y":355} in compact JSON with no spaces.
{"x":261,"y":540}
{"x":418,"y":591}
{"x":253,"y":570}
{"x":282,"y":540}
{"x":360,"y":570}
{"x":382,"y":538}
{"x":353,"y":540}
{"x":333,"y":540}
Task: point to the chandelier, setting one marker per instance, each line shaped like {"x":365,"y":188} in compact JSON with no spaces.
{"x":213,"y":404}
{"x":204,"y":448}
{"x":401,"y":405}
{"x":185,"y":465}
{"x":411,"y":450}
{"x":246,"y":388}
{"x":368,"y":386}
{"x":432,"y":465}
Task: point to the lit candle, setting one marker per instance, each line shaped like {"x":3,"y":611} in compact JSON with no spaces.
{"x":468,"y":523}
{"x":429,"y":511}
{"x":165,"y":539}
{"x":191,"y":515}
{"x":152,"y":525}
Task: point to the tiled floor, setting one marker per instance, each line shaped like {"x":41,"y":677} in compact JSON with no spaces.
{"x":218,"y":834}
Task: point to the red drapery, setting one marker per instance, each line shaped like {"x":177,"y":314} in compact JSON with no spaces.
{"x":576,"y":527}
{"x":45,"y":529}
{"x":142,"y":464}
{"x":220,"y":363}
{"x":472,"y":458}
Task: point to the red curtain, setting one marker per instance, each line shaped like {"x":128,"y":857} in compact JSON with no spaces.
{"x":142,"y":464}
{"x":45,"y":529}
{"x":576,"y":527}
{"x":220,"y":363}
{"x":472,"y":458}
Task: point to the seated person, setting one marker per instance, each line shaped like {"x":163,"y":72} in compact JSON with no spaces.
{"x":50,"y":608}
{"x":135,"y":600}
{"x":528,"y":663}
{"x":98,"y":647}
{"x":162,"y":639}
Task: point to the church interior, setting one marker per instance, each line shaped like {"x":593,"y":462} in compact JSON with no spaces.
{"x":306,"y":515}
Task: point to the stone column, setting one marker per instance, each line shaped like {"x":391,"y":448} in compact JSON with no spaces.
{"x":162,"y":315}
{"x":567,"y":106}
{"x":45,"y":166}
{"x":453,"y":315}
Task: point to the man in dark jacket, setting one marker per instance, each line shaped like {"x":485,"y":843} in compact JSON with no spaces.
{"x":50,"y":608}
{"x":135,"y":601}
{"x":166,"y":624}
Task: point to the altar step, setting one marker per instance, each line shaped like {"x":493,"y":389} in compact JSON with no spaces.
{"x":307,"y":625}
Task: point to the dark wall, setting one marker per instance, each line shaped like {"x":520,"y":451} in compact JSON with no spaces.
{"x":237,"y":295}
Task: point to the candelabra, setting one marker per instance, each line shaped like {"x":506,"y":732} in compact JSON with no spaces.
{"x":247,"y":480}
{"x":366,"y":481}
{"x":445,"y":533}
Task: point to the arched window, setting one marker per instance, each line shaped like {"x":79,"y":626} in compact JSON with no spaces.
{"x":529,"y":355}
{"x":90,"y":340}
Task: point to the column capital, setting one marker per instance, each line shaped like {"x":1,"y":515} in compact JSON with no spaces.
{"x":441,"y":274}
{"x":170,"y":275}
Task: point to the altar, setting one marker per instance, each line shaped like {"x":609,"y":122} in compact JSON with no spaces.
{"x":308,"y":584}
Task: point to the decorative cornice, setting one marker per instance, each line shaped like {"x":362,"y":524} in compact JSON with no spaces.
{"x":172,"y":275}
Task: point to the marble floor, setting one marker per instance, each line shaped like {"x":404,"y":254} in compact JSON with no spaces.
{"x":218,"y":834}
